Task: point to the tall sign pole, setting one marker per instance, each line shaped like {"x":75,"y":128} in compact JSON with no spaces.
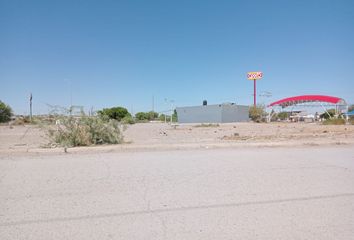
{"x":254,"y":92}
{"x":254,"y":76}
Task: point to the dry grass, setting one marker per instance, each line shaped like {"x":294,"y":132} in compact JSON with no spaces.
{"x":334,"y":121}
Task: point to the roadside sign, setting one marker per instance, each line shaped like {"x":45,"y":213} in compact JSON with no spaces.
{"x":254,"y":75}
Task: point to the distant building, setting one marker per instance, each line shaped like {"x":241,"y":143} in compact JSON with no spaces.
{"x":218,"y":113}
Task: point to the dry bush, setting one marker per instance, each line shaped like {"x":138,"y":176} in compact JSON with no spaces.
{"x":22,"y":120}
{"x":257,"y":113}
{"x":72,"y":131}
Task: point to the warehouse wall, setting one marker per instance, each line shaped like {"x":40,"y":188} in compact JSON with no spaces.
{"x":199,"y":114}
{"x":221,"y":113}
{"x":234,"y":113}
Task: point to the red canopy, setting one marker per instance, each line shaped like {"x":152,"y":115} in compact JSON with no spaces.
{"x":307,"y":98}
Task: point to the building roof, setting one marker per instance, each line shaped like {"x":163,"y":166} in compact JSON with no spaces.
{"x":307,"y":98}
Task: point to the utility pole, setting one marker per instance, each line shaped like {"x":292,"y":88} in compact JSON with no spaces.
{"x":71,"y":95}
{"x":171,"y":110}
{"x":153,"y":103}
{"x":71,"y":99}
{"x":264,"y":94}
{"x":30,"y":107}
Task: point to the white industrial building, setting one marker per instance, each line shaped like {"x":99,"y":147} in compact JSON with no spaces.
{"x":217,"y":113}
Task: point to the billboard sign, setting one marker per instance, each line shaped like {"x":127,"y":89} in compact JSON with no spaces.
{"x":254,"y":75}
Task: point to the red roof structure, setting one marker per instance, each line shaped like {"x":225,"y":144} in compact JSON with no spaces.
{"x":307,"y":98}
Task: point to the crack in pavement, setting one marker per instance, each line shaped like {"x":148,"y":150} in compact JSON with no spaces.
{"x":179,"y":209}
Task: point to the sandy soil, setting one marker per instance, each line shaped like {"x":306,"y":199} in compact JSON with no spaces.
{"x":163,"y":136}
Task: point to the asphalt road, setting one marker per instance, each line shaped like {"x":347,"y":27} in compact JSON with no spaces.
{"x":264,"y":193}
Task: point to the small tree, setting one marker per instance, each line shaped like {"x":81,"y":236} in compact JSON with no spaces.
{"x":117,"y":113}
{"x":141,"y":116}
{"x":5,"y":112}
{"x":152,"y":115}
{"x":257,"y":113}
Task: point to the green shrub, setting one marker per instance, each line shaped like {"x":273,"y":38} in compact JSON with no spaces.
{"x":152,"y":115}
{"x":84,"y":131}
{"x":117,"y":113}
{"x":5,"y":112}
{"x":146,"y":116}
{"x":168,"y":117}
{"x":162,"y":117}
{"x":331,"y":113}
{"x":141,"y":116}
{"x":128,"y":120}
{"x":334,"y":121}
{"x":283,"y":115}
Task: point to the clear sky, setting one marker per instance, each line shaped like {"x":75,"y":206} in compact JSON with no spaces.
{"x":121,"y":53}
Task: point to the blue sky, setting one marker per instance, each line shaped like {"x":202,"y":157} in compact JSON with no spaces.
{"x":121,"y":53}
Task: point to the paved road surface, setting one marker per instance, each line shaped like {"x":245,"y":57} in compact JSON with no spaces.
{"x":269,"y":193}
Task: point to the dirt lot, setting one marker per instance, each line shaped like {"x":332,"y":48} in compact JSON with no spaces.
{"x":163,"y":136}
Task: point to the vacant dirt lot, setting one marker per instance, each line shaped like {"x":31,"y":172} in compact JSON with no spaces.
{"x":163,"y":136}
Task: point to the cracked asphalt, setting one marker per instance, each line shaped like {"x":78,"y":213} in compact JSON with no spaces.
{"x":241,"y":193}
